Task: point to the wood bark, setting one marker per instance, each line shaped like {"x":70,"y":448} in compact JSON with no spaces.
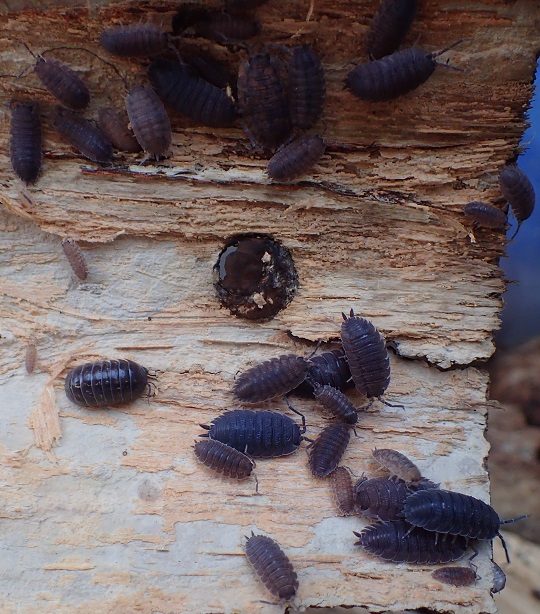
{"x":108,"y":510}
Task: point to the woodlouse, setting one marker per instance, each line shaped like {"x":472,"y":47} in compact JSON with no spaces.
{"x":63,"y":83}
{"x":30,"y":357}
{"x":116,"y":128}
{"x":75,"y":258}
{"x":135,"y":40}
{"x":366,"y":354}
{"x":106,"y":382}
{"x":485,"y":215}
{"x":257,"y":433}
{"x":84,"y":136}
{"x":272,"y":566}
{"x":389,"y":27}
{"x":499,"y":579}
{"x":223,"y":27}
{"x":398,"y":464}
{"x":393,"y":75}
{"x":342,"y":490}
{"x":455,"y":576}
{"x":212,"y":70}
{"x":263,"y":101}
{"x":271,"y":378}
{"x":396,"y":541}
{"x":517,"y":188}
{"x":326,"y":451}
{"x":307,"y":88}
{"x":25,"y":142}
{"x":380,"y":498}
{"x":149,"y":120}
{"x":223,"y":459}
{"x":336,"y":403}
{"x":191,"y":95}
{"x":329,"y":368}
{"x":296,"y":158}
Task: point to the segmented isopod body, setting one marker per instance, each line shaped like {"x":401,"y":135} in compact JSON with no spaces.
{"x":398,"y":464}
{"x":263,"y":102}
{"x":393,"y":75}
{"x":271,"y":378}
{"x":191,"y":95}
{"x":484,"y":214}
{"x":380,"y":498}
{"x":107,"y":382}
{"x":25,"y":142}
{"x":342,"y":489}
{"x":257,"y":433}
{"x":455,"y":576}
{"x":296,"y":159}
{"x":328,"y":368}
{"x":517,"y":188}
{"x":307,"y":88}
{"x":223,"y":27}
{"x":84,"y":136}
{"x":395,"y":541}
{"x":499,"y":579}
{"x":337,"y":404}
{"x":135,"y":40}
{"x":30,"y":358}
{"x":75,"y":258}
{"x":116,"y":128}
{"x":211,"y":70}
{"x":366,"y":354}
{"x":389,"y":27}
{"x":326,"y":451}
{"x":272,"y":566}
{"x":63,"y":83}
{"x":149,"y":120}
{"x":223,"y":459}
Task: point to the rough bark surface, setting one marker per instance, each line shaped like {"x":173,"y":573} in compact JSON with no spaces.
{"x":109,"y":511}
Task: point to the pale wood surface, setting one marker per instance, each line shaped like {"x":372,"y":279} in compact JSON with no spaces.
{"x":89,"y":528}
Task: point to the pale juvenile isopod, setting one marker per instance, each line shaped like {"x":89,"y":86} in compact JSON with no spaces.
{"x":30,"y":357}
{"x":455,"y":576}
{"x":75,"y":258}
{"x":342,"y":490}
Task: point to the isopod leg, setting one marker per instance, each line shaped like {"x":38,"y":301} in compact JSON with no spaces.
{"x":303,"y":429}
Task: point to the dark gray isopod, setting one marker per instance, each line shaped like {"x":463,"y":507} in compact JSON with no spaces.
{"x":329,"y":368}
{"x":135,"y":40}
{"x":485,"y":215}
{"x":223,"y":459}
{"x":455,"y":576}
{"x":307,"y":87}
{"x":380,"y":498}
{"x":518,"y":190}
{"x":389,"y":27}
{"x":84,"y":136}
{"x":326,"y":451}
{"x":63,"y":83}
{"x":296,"y":158}
{"x":149,"y":120}
{"x":272,"y":566}
{"x":25,"y":142}
{"x":336,"y":403}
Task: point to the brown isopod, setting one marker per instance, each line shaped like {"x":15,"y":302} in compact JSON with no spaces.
{"x":518,"y":190}
{"x":116,"y":128}
{"x":455,"y":576}
{"x":296,"y":159}
{"x":25,"y":142}
{"x":485,"y":215}
{"x":75,"y":258}
{"x":389,"y":27}
{"x":149,"y":120}
{"x":307,"y":87}
{"x":135,"y":40}
{"x":380,"y":498}
{"x":272,"y":566}
{"x":398,"y":464}
{"x":84,"y":136}
{"x":326,"y":451}
{"x":223,"y":459}
{"x":342,"y":490}
{"x":30,"y":358}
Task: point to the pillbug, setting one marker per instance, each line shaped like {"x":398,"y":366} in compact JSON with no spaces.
{"x":25,"y":142}
{"x":342,"y":490}
{"x":296,"y":158}
{"x":499,"y":579}
{"x":337,"y":404}
{"x":75,"y":258}
{"x":366,"y":354}
{"x":329,"y":368}
{"x":135,"y":40}
{"x":106,"y":382}
{"x":389,"y":27}
{"x":398,"y":464}
{"x":272,"y":566}
{"x":307,"y":88}
{"x":30,"y":358}
{"x":263,"y":101}
{"x":380,"y":498}
{"x":455,"y":576}
{"x":444,"y":511}
{"x":396,"y":541}
{"x":191,"y":95}
{"x":393,"y":75}
{"x":257,"y":433}
{"x":149,"y":120}
{"x":485,"y":215}
{"x":271,"y":378}
{"x":116,"y":128}
{"x":84,"y":136}
{"x":223,"y":459}
{"x":518,"y":191}
{"x":326,"y":451}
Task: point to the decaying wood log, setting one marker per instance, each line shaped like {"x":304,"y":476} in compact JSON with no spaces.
{"x":109,"y":511}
